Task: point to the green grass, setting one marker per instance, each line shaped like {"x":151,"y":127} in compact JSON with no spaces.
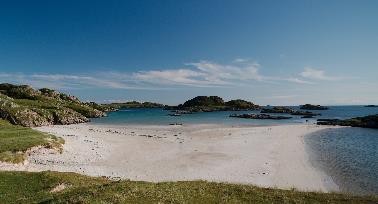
{"x":36,"y":188}
{"x":16,"y":140}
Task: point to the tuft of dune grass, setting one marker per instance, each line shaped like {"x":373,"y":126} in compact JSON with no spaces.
{"x":15,"y":141}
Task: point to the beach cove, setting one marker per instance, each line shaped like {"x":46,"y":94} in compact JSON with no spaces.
{"x":266,"y":156}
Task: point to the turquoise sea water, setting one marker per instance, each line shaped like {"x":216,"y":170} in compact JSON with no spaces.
{"x":161,"y":117}
{"x":349,"y":155}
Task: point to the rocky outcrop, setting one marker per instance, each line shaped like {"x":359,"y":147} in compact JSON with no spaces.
{"x":68,"y":116}
{"x":260,"y":116}
{"x":286,"y":110}
{"x":23,"y":105}
{"x":370,"y":121}
{"x":207,"y":101}
{"x":313,"y":107}
{"x":277,"y":109}
{"x":239,"y":105}
{"x":102,"y":107}
{"x":213,"y":103}
{"x":305,"y":113}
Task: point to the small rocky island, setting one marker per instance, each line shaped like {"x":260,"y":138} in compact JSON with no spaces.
{"x":277,"y":109}
{"x":313,"y":107}
{"x":260,"y":116}
{"x":23,"y":105}
{"x":210,"y":104}
{"x":370,"y":121}
{"x":371,"y":106}
{"x":286,"y":110}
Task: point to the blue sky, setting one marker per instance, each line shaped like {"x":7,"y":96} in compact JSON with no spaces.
{"x":269,"y":52}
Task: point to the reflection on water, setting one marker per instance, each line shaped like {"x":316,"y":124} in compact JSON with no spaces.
{"x":349,"y":155}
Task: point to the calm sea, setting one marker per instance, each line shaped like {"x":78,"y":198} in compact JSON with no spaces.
{"x":161,"y":117}
{"x":348,"y":155}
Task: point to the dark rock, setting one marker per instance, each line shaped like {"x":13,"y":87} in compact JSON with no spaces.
{"x":213,"y":103}
{"x":239,"y":105}
{"x":277,"y":109}
{"x":204,"y":101}
{"x":313,"y":107}
{"x":260,"y":116}
{"x":305,"y":113}
{"x":370,"y":121}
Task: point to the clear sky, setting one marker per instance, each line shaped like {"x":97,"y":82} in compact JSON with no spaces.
{"x":269,"y":52}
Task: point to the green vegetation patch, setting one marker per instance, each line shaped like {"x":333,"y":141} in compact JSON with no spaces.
{"x":43,"y":187}
{"x":23,"y":105}
{"x":16,"y":140}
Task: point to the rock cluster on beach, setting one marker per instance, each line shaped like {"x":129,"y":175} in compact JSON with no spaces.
{"x":23,"y":105}
{"x":212,"y":103}
{"x":370,"y":121}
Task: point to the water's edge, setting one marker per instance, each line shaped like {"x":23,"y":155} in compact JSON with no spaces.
{"x":348,"y":155}
{"x":329,"y":182}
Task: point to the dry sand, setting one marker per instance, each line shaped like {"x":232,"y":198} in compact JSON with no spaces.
{"x":268,"y":156}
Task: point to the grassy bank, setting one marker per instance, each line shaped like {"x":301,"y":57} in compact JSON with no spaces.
{"x":53,"y":187}
{"x":16,"y":140}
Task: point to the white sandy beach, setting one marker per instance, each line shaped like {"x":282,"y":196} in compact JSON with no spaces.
{"x":268,"y":156}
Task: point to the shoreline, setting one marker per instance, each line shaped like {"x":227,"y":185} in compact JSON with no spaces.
{"x":266,"y":156}
{"x":345,"y":159}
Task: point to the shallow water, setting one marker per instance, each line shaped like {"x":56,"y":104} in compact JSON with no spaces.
{"x":349,"y":155}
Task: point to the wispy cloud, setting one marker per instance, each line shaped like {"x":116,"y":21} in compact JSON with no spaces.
{"x":81,"y":80}
{"x":317,"y":74}
{"x":61,"y":81}
{"x":185,"y":77}
{"x":204,"y":73}
{"x":298,"y":81}
{"x":221,"y":72}
{"x":240,"y":60}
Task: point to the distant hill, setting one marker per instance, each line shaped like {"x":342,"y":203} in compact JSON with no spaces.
{"x":213,"y":103}
{"x":23,"y":105}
